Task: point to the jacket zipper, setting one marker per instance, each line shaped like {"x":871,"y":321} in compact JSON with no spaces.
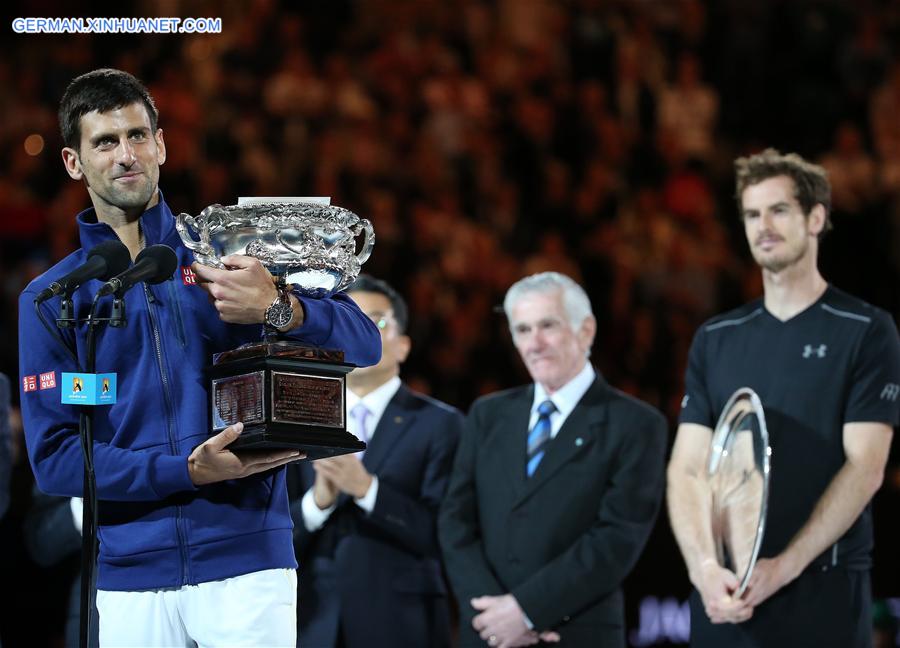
{"x":157,"y":342}
{"x":179,"y":322}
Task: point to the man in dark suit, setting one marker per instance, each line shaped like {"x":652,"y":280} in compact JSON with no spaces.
{"x":5,"y":445}
{"x":52,"y":534}
{"x":365,"y":526}
{"x":554,"y":489}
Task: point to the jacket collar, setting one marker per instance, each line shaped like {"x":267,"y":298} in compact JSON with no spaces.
{"x":157,"y":224}
{"x":398,"y":417}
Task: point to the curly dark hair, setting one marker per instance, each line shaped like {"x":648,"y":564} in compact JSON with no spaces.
{"x":811,"y":186}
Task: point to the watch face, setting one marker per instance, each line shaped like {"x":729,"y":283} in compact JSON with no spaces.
{"x":279,"y":315}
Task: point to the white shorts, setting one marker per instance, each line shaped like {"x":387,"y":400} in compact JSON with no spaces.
{"x":257,"y":609}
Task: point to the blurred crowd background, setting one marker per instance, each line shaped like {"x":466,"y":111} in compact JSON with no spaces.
{"x":487,"y":140}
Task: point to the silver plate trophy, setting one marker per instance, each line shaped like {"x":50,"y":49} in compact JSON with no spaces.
{"x":738,"y":471}
{"x":286,"y":394}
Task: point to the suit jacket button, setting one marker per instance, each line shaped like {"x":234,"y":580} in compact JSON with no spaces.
{"x":566,"y":619}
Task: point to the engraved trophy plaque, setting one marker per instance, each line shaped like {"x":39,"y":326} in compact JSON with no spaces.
{"x":738,"y":471}
{"x":287,"y":395}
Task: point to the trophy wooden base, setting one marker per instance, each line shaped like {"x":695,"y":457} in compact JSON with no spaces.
{"x":286,"y":395}
{"x":315,"y":443}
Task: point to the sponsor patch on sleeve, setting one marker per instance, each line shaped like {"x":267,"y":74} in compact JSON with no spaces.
{"x":48,"y":380}
{"x":29,"y":383}
{"x":188,"y":276}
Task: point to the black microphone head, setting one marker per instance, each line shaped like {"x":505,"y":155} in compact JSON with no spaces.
{"x":164,"y":258}
{"x":116,"y":256}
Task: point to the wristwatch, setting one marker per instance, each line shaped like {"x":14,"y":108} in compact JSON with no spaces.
{"x":280,"y":313}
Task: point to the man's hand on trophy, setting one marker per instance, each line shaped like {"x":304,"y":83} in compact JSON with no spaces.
{"x":346,"y":472}
{"x":211,"y":461}
{"x":716,"y":586}
{"x":243,"y":292}
{"x":769,"y":576}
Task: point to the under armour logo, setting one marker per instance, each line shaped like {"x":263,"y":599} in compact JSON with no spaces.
{"x":684,"y":401}
{"x":890,"y":392}
{"x":809,"y":350}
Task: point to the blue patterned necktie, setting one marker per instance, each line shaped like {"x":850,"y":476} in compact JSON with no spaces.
{"x":539,"y":435}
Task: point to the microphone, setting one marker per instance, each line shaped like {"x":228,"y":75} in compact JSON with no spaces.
{"x":153,"y":265}
{"x":104,"y":261}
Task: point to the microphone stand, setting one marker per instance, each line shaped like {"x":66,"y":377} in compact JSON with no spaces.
{"x":116,"y":259}
{"x":67,"y":320}
{"x":86,"y":432}
{"x":89,"y":509}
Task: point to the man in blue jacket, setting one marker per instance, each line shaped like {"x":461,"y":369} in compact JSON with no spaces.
{"x":195,"y":541}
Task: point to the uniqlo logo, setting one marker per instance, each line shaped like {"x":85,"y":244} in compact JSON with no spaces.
{"x":188,"y":276}
{"x":48,"y":380}
{"x":29,"y":383}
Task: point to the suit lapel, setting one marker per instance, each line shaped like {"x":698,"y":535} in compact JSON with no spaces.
{"x":397,"y":418}
{"x":513,"y":440}
{"x":576,"y":435}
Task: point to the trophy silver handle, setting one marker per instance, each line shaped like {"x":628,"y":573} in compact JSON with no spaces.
{"x":368,"y":241}
{"x":182,"y":223}
{"x":186,"y":225}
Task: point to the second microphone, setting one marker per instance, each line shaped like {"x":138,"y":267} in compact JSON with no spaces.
{"x":153,"y":265}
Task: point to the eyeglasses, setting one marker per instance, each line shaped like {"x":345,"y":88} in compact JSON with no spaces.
{"x":381,"y":319}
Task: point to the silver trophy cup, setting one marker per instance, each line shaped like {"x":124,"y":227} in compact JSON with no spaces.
{"x":286,"y":394}
{"x":308,"y":245}
{"x":738,"y":471}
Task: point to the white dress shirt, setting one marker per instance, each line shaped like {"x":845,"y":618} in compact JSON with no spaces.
{"x":376,"y":402}
{"x":565,"y":398}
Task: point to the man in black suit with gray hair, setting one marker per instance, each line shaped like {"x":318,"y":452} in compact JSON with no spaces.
{"x":555,"y":487}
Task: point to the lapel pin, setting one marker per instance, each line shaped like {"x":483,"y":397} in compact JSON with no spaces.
{"x":579,"y":442}
{"x":398,"y":419}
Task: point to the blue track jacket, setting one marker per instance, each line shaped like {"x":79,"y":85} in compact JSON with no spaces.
{"x":156,"y":528}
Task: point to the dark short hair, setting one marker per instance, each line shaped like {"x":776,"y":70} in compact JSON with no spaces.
{"x":101,"y":90}
{"x":811,"y":185}
{"x":368,"y":283}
